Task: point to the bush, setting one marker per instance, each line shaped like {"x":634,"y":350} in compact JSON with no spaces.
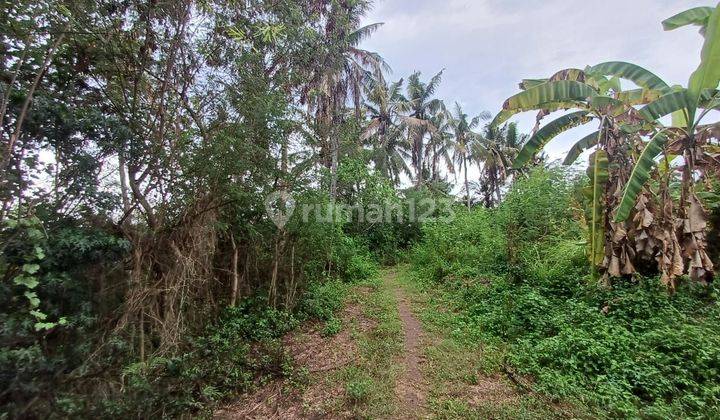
{"x":519,"y":275}
{"x":322,"y":300}
{"x":472,"y":246}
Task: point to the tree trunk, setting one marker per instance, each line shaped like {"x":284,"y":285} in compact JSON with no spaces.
{"x":333,"y":169}
{"x":26,"y":105}
{"x":123,"y":182}
{"x":236,"y":276}
{"x":467,"y":186}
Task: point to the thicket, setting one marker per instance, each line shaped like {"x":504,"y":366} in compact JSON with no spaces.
{"x":77,"y":363}
{"x":520,"y":276}
{"x":141,"y":274}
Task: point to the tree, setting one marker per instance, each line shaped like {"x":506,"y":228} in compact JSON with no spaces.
{"x":494,"y":153}
{"x":421,"y":107}
{"x":338,"y":75}
{"x":440,"y":144}
{"x":385,"y":104}
{"x":461,"y":127}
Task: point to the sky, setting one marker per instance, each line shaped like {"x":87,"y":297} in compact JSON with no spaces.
{"x":487,"y":46}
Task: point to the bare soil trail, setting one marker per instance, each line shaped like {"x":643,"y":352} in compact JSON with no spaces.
{"x":411,"y":387}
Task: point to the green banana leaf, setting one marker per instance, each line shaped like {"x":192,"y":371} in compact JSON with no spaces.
{"x":580,"y":146}
{"x":636,"y":74}
{"x":560,"y":94}
{"x":634,"y":97}
{"x":640,"y":174}
{"x":549,"y":132}
{"x":665,"y":105}
{"x":695,"y":16}
{"x":707,"y":75}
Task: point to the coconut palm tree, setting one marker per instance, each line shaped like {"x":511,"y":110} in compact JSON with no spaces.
{"x":494,"y":152}
{"x":461,"y":127}
{"x":339,"y":75}
{"x":385,"y":104}
{"x":440,"y":144}
{"x":422,"y":106}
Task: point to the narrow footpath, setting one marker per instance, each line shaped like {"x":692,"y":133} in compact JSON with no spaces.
{"x":411,"y":387}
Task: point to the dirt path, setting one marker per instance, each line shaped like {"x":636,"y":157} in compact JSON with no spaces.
{"x":411,"y":388}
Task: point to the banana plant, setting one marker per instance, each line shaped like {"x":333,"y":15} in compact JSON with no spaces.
{"x":686,"y":136}
{"x":692,"y":103}
{"x":590,"y":93}
{"x":627,"y":118}
{"x":591,"y":98}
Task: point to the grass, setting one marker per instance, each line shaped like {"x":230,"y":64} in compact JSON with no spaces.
{"x":465,"y":374}
{"x":370,"y":382}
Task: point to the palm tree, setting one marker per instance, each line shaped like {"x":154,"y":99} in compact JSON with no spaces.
{"x":339,"y":75}
{"x":385,"y":103}
{"x":464,"y":137}
{"x":421,"y":105}
{"x":493,"y":153}
{"x":440,"y":143}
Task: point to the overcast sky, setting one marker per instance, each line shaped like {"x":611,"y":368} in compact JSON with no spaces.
{"x":488,"y":46}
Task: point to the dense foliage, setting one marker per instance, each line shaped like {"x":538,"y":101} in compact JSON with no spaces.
{"x":519,"y":275}
{"x":184,"y":182}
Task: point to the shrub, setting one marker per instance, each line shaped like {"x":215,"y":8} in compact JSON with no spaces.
{"x":322,"y":300}
{"x":519,"y":275}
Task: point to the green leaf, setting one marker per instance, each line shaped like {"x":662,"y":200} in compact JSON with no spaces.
{"x":28,"y":281}
{"x":39,"y":253}
{"x":560,"y":94}
{"x":31,"y":268}
{"x":607,"y":105}
{"x":707,"y":75}
{"x":39,"y":315}
{"x":580,"y":146}
{"x":32,"y":297}
{"x":709,"y":99}
{"x":665,"y":105}
{"x":695,"y":16}
{"x":547,"y":133}
{"x":636,"y":74}
{"x":640,"y":174}
{"x":40,"y":326}
{"x":638,"y":96}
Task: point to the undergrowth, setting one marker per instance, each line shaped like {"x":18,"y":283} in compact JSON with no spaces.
{"x":519,"y":282}
{"x":242,"y":350}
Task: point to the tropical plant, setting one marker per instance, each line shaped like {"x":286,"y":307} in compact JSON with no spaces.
{"x":422,"y":106}
{"x":687,"y":138}
{"x":441,"y":144}
{"x":494,"y":153}
{"x":595,"y":98}
{"x":339,"y":76}
{"x":461,"y":127}
{"x":385,"y":129}
{"x":597,"y":92}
